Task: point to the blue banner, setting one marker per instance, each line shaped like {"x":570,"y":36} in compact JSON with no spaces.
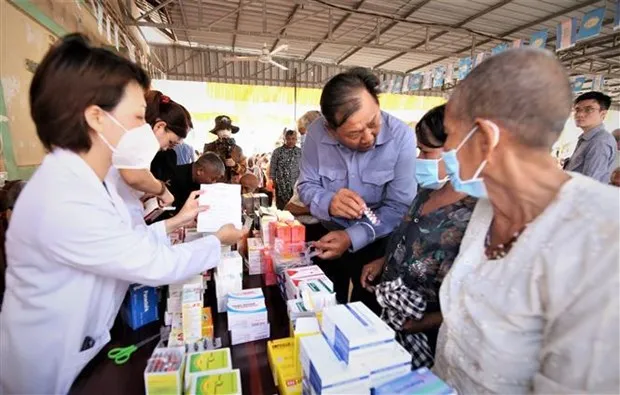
{"x":384,"y":84}
{"x":566,"y":34}
{"x":464,"y":68}
{"x":591,"y":24}
{"x":539,"y":39}
{"x":428,"y":80}
{"x":577,"y":83}
{"x":499,"y":48}
{"x":438,"y":76}
{"x":415,"y":82}
{"x":398,"y":84}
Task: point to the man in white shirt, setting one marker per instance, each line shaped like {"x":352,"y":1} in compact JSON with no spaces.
{"x":531,"y":303}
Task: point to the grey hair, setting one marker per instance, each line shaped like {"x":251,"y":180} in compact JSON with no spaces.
{"x":307,"y":119}
{"x":526,"y":90}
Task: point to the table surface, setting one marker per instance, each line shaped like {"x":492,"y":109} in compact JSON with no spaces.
{"x":103,"y":376}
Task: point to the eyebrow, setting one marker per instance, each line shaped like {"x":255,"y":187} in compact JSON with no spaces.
{"x":374,"y":119}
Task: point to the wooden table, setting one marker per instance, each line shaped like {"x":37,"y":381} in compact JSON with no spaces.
{"x":102,"y":376}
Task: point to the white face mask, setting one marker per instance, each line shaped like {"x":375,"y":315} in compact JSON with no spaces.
{"x":224,"y":134}
{"x":135,"y":149}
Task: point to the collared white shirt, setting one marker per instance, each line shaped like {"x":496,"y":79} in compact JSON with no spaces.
{"x":544,"y":318}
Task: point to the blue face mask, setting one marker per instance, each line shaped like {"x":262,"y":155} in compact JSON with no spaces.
{"x":474,"y":186}
{"x":427,"y":173}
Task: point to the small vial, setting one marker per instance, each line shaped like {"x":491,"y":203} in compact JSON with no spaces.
{"x":372,"y":217}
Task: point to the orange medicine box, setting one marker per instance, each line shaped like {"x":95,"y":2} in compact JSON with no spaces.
{"x":207,"y":323}
{"x":298,"y":232}
{"x":283,"y":232}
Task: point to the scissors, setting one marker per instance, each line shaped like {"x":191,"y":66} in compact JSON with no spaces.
{"x":120,"y":355}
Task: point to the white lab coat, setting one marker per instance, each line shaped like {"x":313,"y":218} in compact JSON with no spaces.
{"x":71,"y":254}
{"x":131,"y":198}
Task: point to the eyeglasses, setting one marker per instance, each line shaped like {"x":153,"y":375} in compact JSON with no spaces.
{"x":585,"y":110}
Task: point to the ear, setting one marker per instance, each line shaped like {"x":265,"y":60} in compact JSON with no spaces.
{"x":603,"y":113}
{"x":490,"y":133}
{"x":94,"y":116}
{"x":159,"y":128}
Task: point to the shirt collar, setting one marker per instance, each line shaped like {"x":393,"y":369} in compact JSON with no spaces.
{"x":588,"y":136}
{"x":384,"y":136}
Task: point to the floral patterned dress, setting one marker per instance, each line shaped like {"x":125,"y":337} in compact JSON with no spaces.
{"x":421,"y":251}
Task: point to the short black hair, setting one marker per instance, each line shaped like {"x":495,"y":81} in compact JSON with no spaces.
{"x":290,"y":132}
{"x":340,"y":99}
{"x":73,"y":76}
{"x":430,"y":130}
{"x":212,"y":162}
{"x":602,"y":99}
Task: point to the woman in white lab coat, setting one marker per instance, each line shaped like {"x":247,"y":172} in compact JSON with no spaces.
{"x":71,"y":249}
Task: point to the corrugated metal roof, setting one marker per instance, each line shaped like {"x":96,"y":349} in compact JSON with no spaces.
{"x":370,"y":33}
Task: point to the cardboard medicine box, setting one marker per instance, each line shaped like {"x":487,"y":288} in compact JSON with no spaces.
{"x":164,"y":383}
{"x":326,"y":374}
{"x":354,"y":331}
{"x":207,"y":362}
{"x":226,"y":383}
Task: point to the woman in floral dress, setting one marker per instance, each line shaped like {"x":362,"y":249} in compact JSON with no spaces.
{"x":421,"y":250}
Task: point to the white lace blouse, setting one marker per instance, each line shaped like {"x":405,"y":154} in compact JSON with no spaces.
{"x":544,"y":318}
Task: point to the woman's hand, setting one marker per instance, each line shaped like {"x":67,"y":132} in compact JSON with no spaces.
{"x":333,"y":244}
{"x":188,"y":213}
{"x":347,"y":204}
{"x":230,"y":162}
{"x":371,"y":272}
{"x":166,"y":198}
{"x":229,"y":235}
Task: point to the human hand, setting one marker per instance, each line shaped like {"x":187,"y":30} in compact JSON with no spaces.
{"x":347,"y":204}
{"x":370,"y":272}
{"x":187,"y":215}
{"x":230,"y":162}
{"x":333,"y":244}
{"x":165,"y":199}
{"x":229,"y":235}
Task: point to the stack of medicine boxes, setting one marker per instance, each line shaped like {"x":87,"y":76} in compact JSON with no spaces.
{"x":228,"y":278}
{"x":184,"y":309}
{"x":247,"y":316}
{"x":255,"y":256}
{"x":356,"y":352}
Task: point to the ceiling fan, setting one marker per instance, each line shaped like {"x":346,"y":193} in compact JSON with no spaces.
{"x":264,"y":57}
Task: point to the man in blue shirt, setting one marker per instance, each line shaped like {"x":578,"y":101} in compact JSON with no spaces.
{"x":595,"y":154}
{"x":356,"y":157}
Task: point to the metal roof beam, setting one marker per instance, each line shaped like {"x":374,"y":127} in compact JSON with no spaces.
{"x":152,"y":10}
{"x":443,"y":32}
{"x":201,"y":32}
{"x":352,"y":51}
{"x":234,"y":40}
{"x":227,"y":15}
{"x":513,"y":31}
{"x":288,"y":20}
{"x":336,"y":27}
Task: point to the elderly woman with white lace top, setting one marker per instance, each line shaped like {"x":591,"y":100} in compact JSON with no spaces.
{"x":531,"y":302}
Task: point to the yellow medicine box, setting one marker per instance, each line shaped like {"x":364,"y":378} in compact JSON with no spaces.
{"x":281,"y":355}
{"x":289,"y":381}
{"x":207,"y":362}
{"x":164,"y":372}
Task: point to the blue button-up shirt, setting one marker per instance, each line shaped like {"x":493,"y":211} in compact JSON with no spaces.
{"x":383,"y":176}
{"x":185,"y":153}
{"x":595,"y":155}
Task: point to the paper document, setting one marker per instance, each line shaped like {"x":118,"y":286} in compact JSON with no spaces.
{"x":224,"y":201}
